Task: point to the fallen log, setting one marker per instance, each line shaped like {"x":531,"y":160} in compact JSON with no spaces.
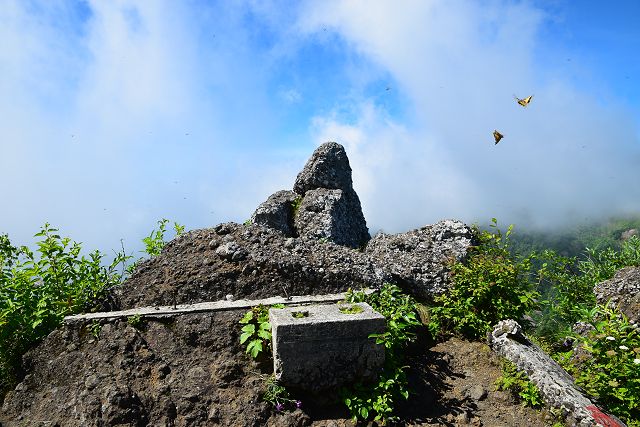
{"x":556,"y":386}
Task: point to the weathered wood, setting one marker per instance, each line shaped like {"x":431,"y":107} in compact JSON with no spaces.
{"x":169,"y":311}
{"x":556,"y":386}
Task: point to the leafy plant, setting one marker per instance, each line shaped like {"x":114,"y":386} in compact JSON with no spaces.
{"x":518,"y":384}
{"x":278,"y":396}
{"x":135,"y":321}
{"x":377,"y":399}
{"x":95,"y":329}
{"x":155,"y":241}
{"x":607,"y":363}
{"x":491,"y":286}
{"x":350,"y":309}
{"x":567,"y":284}
{"x":37,"y":289}
{"x":256,"y":331}
{"x":295,"y":206}
{"x":299,"y":314}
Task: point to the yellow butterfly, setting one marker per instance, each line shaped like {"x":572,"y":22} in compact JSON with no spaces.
{"x":497,"y":136}
{"x":525,"y":101}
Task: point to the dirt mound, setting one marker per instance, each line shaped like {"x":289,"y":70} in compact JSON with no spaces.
{"x":192,"y":371}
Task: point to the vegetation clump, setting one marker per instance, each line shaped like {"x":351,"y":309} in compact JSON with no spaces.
{"x":490,"y":286}
{"x":377,"y":400}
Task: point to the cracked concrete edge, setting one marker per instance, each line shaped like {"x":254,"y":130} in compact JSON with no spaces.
{"x":210,"y":306}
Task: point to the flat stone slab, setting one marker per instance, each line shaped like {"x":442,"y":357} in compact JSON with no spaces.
{"x":319,"y":347}
{"x":176,"y":310}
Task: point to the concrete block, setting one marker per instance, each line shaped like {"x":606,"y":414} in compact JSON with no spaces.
{"x":319,"y":347}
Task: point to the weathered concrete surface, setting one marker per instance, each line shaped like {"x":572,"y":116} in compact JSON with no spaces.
{"x":556,"y":386}
{"x":203,"y":307}
{"x":325,"y":348}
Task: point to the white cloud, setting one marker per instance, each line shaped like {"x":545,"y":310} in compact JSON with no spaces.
{"x":458,"y":64}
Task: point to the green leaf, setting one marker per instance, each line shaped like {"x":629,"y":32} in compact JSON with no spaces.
{"x":244,"y":337}
{"x":250,"y":328}
{"x":254,"y":348}
{"x":264,"y":334}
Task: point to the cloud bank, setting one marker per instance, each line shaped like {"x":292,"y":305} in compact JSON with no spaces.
{"x":565,"y":158}
{"x":116,"y":114}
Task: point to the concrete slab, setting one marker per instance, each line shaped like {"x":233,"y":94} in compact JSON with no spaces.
{"x":318,"y":347}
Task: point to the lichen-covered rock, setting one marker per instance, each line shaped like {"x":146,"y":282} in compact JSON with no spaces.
{"x":328,"y":168}
{"x":556,"y":386}
{"x":420,"y":259}
{"x":327,"y":214}
{"x":277,"y":212}
{"x":623,"y":290}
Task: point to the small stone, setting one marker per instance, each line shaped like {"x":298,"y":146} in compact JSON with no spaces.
{"x":229,"y":297}
{"x":477,"y":393}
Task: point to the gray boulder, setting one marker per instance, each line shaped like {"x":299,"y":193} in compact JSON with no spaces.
{"x":623,"y":290}
{"x":328,"y":214}
{"x":330,"y":207}
{"x":420,"y":259}
{"x":277,"y":212}
{"x":328,"y":167}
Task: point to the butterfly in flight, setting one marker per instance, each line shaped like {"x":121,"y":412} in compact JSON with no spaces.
{"x":525,"y":101}
{"x":497,"y":136}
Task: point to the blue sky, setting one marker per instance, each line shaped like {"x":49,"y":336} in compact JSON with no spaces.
{"x":116,"y":114}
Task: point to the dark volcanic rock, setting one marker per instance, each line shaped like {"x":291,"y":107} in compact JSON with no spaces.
{"x":247,"y":262}
{"x":330,"y":207}
{"x":420,"y":259}
{"x":187,"y":371}
{"x":329,"y":214}
{"x":191,"y":370}
{"x":277,"y":212}
{"x":623,"y":290}
{"x":328,"y":168}
{"x":255,"y":262}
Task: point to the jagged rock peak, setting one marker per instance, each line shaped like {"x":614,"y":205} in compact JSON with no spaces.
{"x":323,"y":205}
{"x":327,"y":168}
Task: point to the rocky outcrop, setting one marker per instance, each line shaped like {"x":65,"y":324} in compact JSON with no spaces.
{"x":191,"y":370}
{"x":250,"y":261}
{"x":420,"y":259}
{"x":556,"y":386}
{"x":327,"y":214}
{"x":185,"y":371}
{"x":623,"y":290}
{"x":299,"y":243}
{"x":246,"y":261}
{"x":277,"y":212}
{"x":323,"y":204}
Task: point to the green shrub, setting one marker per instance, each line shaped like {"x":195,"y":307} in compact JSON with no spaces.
{"x":607,"y":363}
{"x":377,"y":400}
{"x":38,"y":289}
{"x":135,"y":321}
{"x":490,"y":286}
{"x":567,"y":285}
{"x":256,"y":332}
{"x":155,"y":241}
{"x":278,"y":396}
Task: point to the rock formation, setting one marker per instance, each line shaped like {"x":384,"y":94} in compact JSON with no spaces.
{"x":192,"y":370}
{"x":622,"y":290}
